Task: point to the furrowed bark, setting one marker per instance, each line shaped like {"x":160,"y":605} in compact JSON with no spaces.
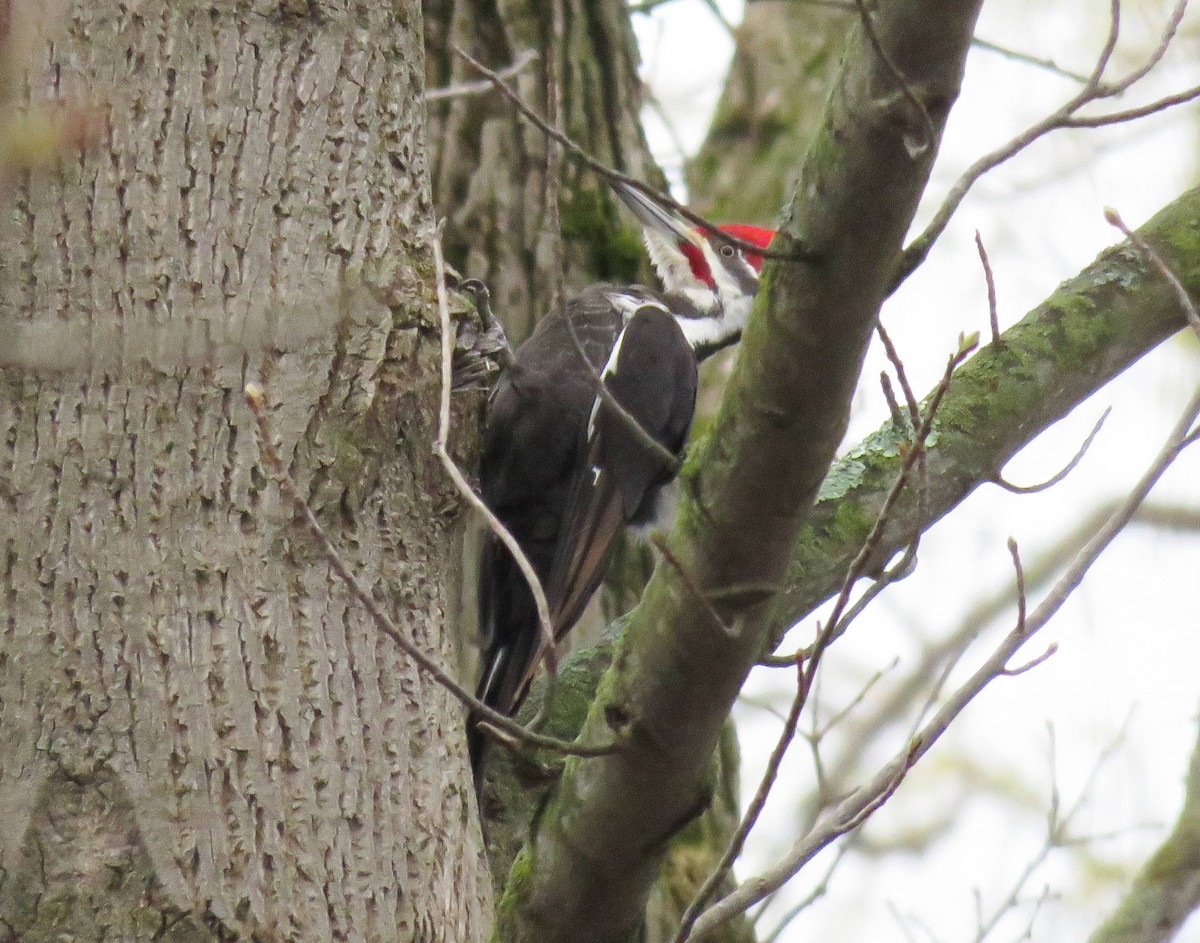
{"x":202,"y":735}
{"x":489,"y":165}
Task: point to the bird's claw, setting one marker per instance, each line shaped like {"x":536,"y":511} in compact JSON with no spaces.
{"x":479,"y":354}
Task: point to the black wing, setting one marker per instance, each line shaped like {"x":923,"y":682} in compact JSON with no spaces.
{"x":532,"y":450}
{"x":545,"y":438}
{"x":652,"y":375}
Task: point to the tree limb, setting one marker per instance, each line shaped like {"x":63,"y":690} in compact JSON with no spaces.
{"x":590,"y":865}
{"x":1096,"y":325}
{"x":1168,"y":888}
{"x":1092,"y":328}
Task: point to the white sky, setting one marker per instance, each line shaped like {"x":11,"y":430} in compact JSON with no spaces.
{"x":1129,"y":641}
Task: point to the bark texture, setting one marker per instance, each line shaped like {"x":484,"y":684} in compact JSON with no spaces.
{"x":1092,"y":328}
{"x":1096,"y":325}
{"x":201,"y":734}
{"x":489,"y":165}
{"x":489,"y":170}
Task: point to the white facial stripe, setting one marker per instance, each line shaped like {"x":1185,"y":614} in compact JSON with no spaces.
{"x":672,"y":266}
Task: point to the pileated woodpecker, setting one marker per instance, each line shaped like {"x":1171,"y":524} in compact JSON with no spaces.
{"x":565,"y":471}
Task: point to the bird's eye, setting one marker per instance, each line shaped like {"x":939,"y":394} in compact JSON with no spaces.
{"x":727,"y":250}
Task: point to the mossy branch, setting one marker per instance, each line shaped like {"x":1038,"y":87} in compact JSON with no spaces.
{"x":1167,"y":890}
{"x":1092,"y":328}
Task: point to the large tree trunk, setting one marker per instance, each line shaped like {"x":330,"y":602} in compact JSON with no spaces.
{"x":202,"y":733}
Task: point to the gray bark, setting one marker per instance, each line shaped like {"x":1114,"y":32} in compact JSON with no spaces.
{"x":489,"y":165}
{"x":201,"y":734}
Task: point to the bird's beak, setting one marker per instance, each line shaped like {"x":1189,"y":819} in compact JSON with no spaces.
{"x":656,"y":217}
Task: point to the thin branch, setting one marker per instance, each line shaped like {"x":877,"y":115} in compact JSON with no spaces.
{"x":1066,"y":470}
{"x":811,"y":898}
{"x":1095,"y":89}
{"x":1050,"y":652}
{"x":670,"y":461}
{"x":893,"y":356}
{"x":917,"y":148}
{"x":851,"y":810}
{"x":545,"y":624}
{"x":938,"y":660}
{"x":256,"y":400}
{"x":1048,"y":64}
{"x":1132,"y":114}
{"x":1020,"y":572}
{"x":798,"y":253}
{"x":553,"y":183}
{"x":857,"y":566}
{"x":753,"y":810}
{"x":1181,"y":293}
{"x":889,"y":394}
{"x":1057,"y":825}
{"x":465,"y":89}
{"x":806,"y":673}
{"x":990,"y":280}
{"x":660,"y":543}
{"x":715,"y":10}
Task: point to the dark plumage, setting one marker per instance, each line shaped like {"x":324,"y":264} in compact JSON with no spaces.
{"x":562,"y":469}
{"x":566,"y":473}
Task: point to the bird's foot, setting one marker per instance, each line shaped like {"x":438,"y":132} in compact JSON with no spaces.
{"x":479,"y":355}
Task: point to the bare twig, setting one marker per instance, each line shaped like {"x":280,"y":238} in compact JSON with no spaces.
{"x":807,"y":663}
{"x":1066,"y":469}
{"x":549,"y":652}
{"x":889,"y":394}
{"x":938,"y":660}
{"x":753,"y":810}
{"x":1132,"y":114}
{"x":1095,"y":89}
{"x":990,"y":280}
{"x":460,"y":480}
{"x":466,"y":89}
{"x":660,"y":543}
{"x":1181,"y":293}
{"x":797,"y":253}
{"x":811,"y":898}
{"x":851,"y":810}
{"x":670,"y":461}
{"x":1015,"y":552}
{"x":918,"y":147}
{"x":1057,"y":825}
{"x":1047,"y":64}
{"x":1050,"y":652}
{"x":715,"y":10}
{"x":893,"y":356}
{"x":553,"y":182}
